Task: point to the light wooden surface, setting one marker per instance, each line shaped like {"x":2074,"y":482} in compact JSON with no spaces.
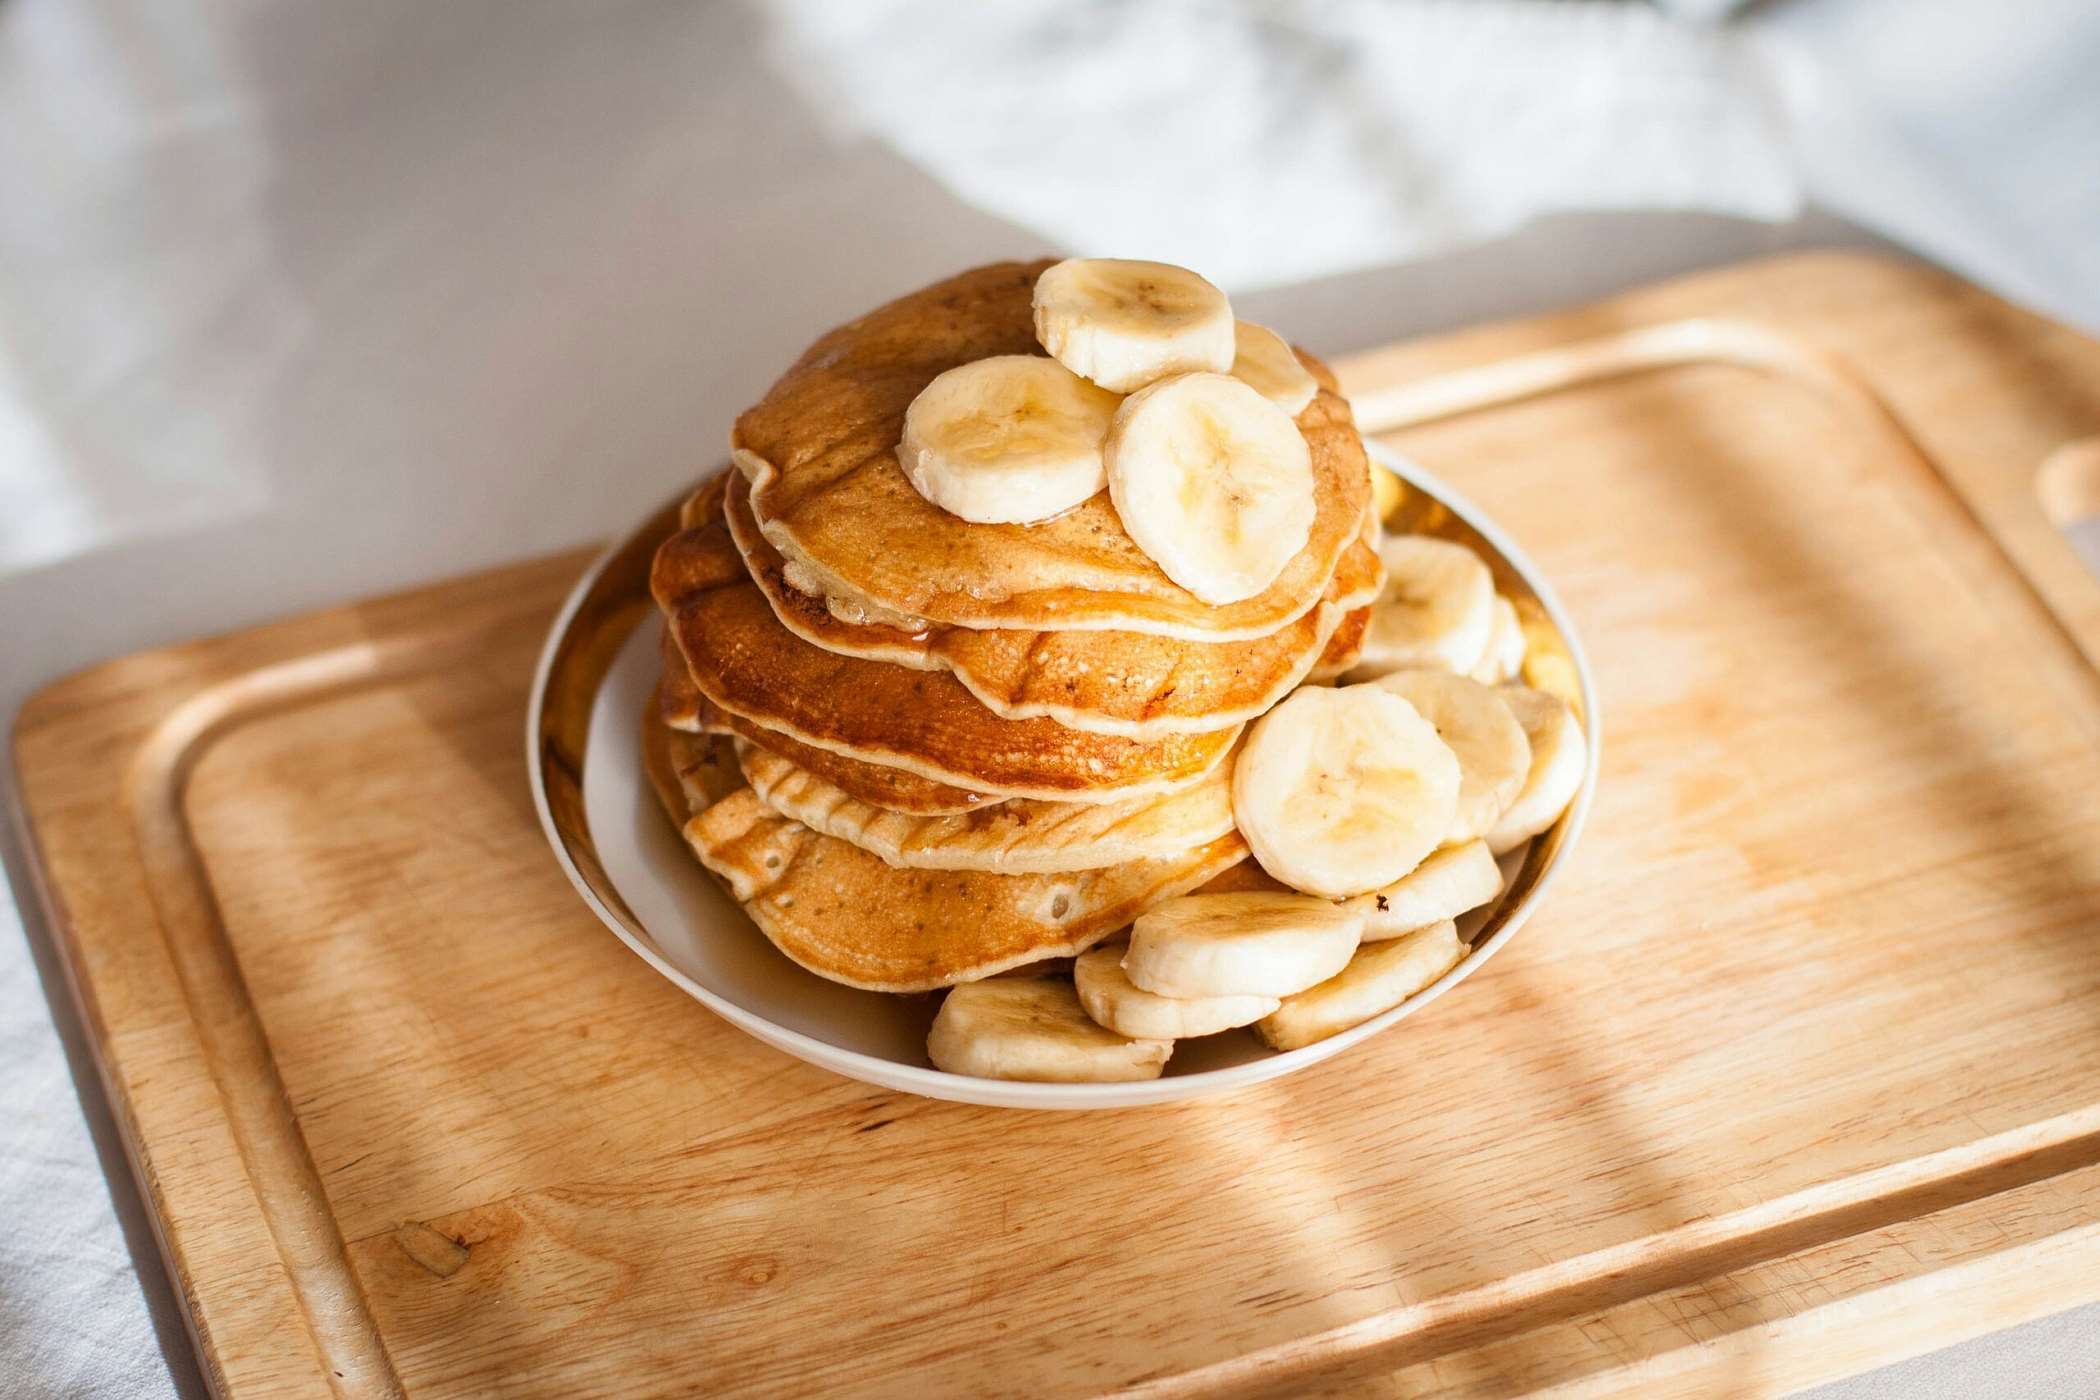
{"x":1797,"y":1072}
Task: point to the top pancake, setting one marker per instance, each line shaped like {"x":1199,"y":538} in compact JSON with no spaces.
{"x":1130,"y":684}
{"x":827,"y":490}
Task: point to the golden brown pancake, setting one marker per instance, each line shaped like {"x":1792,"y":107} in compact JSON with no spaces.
{"x":846,"y":915}
{"x":690,"y":772}
{"x":827,"y":490}
{"x":1027,"y":930}
{"x":891,"y":789}
{"x":679,"y":702}
{"x":1131,"y":684}
{"x":1014,"y":838}
{"x":926,"y":723}
{"x":683,"y":707}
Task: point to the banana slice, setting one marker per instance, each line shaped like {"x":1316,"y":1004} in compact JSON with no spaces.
{"x":1213,"y":482}
{"x":1123,"y":324}
{"x":1444,"y":886}
{"x":1377,"y":979}
{"x":1266,"y":361}
{"x":1235,"y":945}
{"x":1011,"y":1028}
{"x":1386,"y":492}
{"x":1493,"y":754}
{"x":1240,"y":945}
{"x":1558,"y":758}
{"x":1505,"y":650}
{"x":1120,"y":1004}
{"x":1009,"y":440}
{"x":1341,"y":791}
{"x":1438,"y":608}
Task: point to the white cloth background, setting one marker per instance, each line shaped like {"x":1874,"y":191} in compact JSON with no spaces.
{"x":1271,"y":144}
{"x":299,"y":302}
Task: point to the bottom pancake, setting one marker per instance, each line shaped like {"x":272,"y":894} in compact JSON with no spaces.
{"x":846,"y":916}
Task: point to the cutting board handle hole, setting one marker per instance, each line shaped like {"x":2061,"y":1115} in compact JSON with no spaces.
{"x":2068,"y":484}
{"x":2068,"y":488}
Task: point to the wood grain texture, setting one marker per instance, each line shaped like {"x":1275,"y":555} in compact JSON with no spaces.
{"x":1797,"y":1072}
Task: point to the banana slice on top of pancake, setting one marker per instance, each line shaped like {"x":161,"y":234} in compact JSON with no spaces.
{"x":1012,"y":439}
{"x":1213,"y":481}
{"x":1266,"y":361}
{"x":1123,"y":323}
{"x":827,"y":489}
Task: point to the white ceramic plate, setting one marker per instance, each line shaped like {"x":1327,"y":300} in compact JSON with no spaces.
{"x":634,"y":871}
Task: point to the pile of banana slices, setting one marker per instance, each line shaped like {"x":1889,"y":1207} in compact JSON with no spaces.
{"x":1376,"y":808}
{"x":1382,"y":804}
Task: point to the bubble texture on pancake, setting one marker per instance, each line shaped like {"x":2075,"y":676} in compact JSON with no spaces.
{"x":826,"y":489}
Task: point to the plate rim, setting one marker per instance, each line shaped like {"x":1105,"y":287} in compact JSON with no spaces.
{"x":929,"y":1082}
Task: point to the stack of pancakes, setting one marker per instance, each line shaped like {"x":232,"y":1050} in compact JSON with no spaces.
{"x":919,"y":750}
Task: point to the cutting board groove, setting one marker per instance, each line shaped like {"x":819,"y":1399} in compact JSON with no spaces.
{"x":1798,"y":1072}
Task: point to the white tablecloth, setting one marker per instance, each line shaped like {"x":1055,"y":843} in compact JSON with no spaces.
{"x":302,"y":302}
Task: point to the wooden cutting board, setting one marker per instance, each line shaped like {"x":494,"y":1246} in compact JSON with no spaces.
{"x":1797,"y":1072}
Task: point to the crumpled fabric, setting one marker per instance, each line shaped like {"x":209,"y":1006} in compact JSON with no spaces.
{"x":73,"y":1320}
{"x":1274,"y":143}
